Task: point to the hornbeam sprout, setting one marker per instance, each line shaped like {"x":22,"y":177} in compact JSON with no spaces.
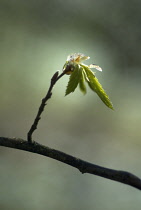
{"x":80,"y":74}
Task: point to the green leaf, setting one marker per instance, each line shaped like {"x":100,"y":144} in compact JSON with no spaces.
{"x":97,"y":87}
{"x":82,"y":85}
{"x":74,"y":79}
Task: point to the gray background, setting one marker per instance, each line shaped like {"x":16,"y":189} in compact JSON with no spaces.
{"x":35,"y":39}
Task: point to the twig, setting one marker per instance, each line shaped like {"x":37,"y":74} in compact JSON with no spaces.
{"x":54,"y":79}
{"x":83,"y":166}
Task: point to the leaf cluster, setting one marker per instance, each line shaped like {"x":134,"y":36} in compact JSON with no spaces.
{"x":82,"y":74}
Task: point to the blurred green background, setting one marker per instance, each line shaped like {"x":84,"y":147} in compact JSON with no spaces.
{"x":35,"y":39}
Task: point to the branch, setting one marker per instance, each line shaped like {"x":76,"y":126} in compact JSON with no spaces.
{"x":54,"y":79}
{"x":83,"y":166}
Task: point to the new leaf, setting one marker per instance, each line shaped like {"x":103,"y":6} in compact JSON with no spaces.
{"x":97,"y":87}
{"x":82,"y":85}
{"x":73,"y":80}
{"x":79,"y":73}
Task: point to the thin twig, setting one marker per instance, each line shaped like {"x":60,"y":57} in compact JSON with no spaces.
{"x":83,"y":166}
{"x":54,"y":79}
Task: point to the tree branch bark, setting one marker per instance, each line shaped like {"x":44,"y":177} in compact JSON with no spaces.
{"x":54,"y":79}
{"x":83,"y":166}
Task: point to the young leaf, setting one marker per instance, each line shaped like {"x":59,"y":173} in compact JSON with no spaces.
{"x":79,"y":73}
{"x":73,"y":80}
{"x":82,"y":85}
{"x":97,"y":87}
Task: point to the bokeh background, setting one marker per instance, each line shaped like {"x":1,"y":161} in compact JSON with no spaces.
{"x":35,"y":39}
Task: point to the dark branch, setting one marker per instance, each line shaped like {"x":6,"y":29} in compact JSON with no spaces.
{"x":83,"y":166}
{"x":54,"y":79}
